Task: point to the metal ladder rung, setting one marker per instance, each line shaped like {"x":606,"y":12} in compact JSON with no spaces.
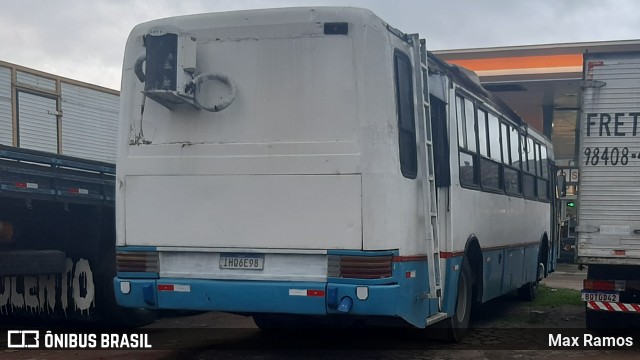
{"x":429,"y":191}
{"x":436,"y":318}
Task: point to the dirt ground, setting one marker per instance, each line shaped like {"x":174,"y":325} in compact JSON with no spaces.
{"x":505,"y":328}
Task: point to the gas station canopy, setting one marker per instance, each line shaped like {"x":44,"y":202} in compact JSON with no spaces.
{"x":541,"y":83}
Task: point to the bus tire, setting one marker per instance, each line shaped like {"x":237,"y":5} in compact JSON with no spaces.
{"x":266,"y":323}
{"x":288,"y":322}
{"x":528,"y":291}
{"x":275,"y":322}
{"x":459,"y":322}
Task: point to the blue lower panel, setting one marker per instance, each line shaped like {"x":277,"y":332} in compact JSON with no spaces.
{"x":452,"y":273}
{"x":256,"y":296}
{"x":382,"y":300}
{"x":142,"y":293}
{"x":402,"y":296}
{"x":221,"y":295}
{"x":493,"y":277}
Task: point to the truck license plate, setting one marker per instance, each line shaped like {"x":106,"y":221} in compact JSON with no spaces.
{"x":242,"y":261}
{"x":600,"y":296}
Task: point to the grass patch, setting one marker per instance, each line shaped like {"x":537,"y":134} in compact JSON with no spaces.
{"x":556,"y":297}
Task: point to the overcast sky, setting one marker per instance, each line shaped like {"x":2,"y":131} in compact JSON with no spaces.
{"x":84,"y":39}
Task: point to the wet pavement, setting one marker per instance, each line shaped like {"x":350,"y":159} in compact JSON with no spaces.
{"x":566,"y":276}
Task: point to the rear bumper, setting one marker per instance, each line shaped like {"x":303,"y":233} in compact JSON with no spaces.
{"x":620,"y":307}
{"x":311,"y":298}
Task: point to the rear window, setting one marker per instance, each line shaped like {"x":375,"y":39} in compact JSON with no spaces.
{"x":406,"y":120}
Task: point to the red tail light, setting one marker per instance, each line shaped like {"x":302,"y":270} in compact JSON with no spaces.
{"x":604,"y":285}
{"x":360,"y":267}
{"x":137,"y":262}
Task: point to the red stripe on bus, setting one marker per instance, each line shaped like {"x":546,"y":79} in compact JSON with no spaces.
{"x":410,"y":258}
{"x":448,"y":255}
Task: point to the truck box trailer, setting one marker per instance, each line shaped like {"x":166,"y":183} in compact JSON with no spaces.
{"x":609,"y":197}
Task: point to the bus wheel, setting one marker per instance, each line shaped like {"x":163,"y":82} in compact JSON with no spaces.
{"x":529,"y":291}
{"x":459,"y":322}
{"x":266,"y":322}
{"x":271,"y":322}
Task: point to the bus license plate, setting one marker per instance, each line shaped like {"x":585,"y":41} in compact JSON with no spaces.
{"x":600,"y":296}
{"x":242,"y":261}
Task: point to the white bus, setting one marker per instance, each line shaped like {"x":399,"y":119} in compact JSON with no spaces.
{"x":283,"y":164}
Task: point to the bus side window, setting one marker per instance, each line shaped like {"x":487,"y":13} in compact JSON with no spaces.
{"x":543,"y":173}
{"x":529,"y":177}
{"x":511,"y":159}
{"x":515,"y":158}
{"x":482,"y":132}
{"x":440,"y":142}
{"x":406,"y":121}
{"x":467,"y":144}
{"x":491,"y":160}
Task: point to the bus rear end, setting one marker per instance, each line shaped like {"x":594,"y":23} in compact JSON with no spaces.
{"x":244,"y":194}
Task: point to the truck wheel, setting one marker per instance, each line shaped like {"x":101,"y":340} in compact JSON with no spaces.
{"x":603,"y":320}
{"x":593,"y":319}
{"x":459,"y":322}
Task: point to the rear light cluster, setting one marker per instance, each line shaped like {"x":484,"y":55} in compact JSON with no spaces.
{"x":137,"y":262}
{"x":604,"y":285}
{"x":360,"y":267}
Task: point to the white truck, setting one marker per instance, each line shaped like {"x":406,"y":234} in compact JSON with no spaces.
{"x":609,"y":196}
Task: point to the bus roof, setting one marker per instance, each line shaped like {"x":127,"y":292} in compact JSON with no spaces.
{"x":273,"y":16}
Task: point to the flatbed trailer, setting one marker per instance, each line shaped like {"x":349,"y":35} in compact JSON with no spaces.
{"x":57,"y":239}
